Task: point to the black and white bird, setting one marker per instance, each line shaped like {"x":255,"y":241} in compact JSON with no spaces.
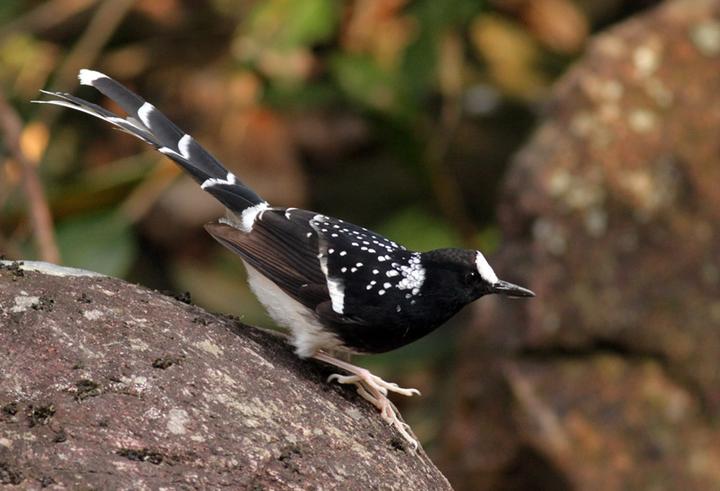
{"x":336,"y":286}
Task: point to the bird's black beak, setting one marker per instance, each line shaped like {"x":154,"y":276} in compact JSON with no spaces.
{"x":510,"y":290}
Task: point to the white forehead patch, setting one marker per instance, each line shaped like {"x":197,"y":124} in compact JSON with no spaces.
{"x":486,"y":272}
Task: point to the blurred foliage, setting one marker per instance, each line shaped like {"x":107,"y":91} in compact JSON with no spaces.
{"x":400,"y":115}
{"x":101,"y":241}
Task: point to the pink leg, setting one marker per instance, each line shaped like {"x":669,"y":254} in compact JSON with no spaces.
{"x":373,"y":389}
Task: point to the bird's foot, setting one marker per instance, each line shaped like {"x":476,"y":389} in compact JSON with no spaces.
{"x":367,"y":378}
{"x":374,"y":390}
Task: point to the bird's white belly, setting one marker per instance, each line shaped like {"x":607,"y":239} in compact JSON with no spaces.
{"x":308,"y":335}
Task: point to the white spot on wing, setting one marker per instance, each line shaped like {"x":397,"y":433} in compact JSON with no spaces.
{"x":483,"y":267}
{"x":336,"y":288}
{"x":87,"y":77}
{"x":337,"y":295}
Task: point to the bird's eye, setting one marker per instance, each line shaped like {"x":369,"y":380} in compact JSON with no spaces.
{"x":470,"y":278}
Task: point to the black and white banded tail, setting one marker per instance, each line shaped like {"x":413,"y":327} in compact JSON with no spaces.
{"x":145,"y":122}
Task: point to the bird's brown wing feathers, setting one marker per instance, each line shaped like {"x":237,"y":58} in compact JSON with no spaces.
{"x":284,"y":250}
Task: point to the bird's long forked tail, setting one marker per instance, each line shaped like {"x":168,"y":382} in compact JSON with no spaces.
{"x":145,"y":122}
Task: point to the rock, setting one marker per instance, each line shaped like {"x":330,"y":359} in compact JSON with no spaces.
{"x":109,"y":385}
{"x":609,"y":378}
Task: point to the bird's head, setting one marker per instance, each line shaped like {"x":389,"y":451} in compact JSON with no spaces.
{"x":468,"y":274}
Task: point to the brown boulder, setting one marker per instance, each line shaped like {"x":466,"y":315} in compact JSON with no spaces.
{"x":107,"y":385}
{"x":609,"y":379}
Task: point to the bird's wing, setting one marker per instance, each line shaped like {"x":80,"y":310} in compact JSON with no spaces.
{"x":345,"y":273}
{"x":283,"y":247}
{"x":373,"y":272}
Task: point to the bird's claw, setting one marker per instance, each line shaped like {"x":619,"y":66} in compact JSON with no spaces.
{"x":373,"y":381}
{"x":374,"y":390}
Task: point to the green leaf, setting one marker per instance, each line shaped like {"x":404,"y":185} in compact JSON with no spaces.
{"x":435,"y":16}
{"x":366,"y":82}
{"x":100,"y":241}
{"x":421,"y":58}
{"x":285,"y":24}
{"x":9,"y":10}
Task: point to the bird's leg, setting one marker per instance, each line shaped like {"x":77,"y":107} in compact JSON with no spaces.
{"x":373,"y":389}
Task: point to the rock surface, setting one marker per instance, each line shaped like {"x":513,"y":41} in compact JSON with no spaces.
{"x":609,"y":379}
{"x":107,"y":385}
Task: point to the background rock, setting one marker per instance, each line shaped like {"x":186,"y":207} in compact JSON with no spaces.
{"x":108,"y":385}
{"x":609,"y":379}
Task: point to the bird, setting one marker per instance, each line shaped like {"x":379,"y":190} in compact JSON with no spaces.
{"x":338,"y":288}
